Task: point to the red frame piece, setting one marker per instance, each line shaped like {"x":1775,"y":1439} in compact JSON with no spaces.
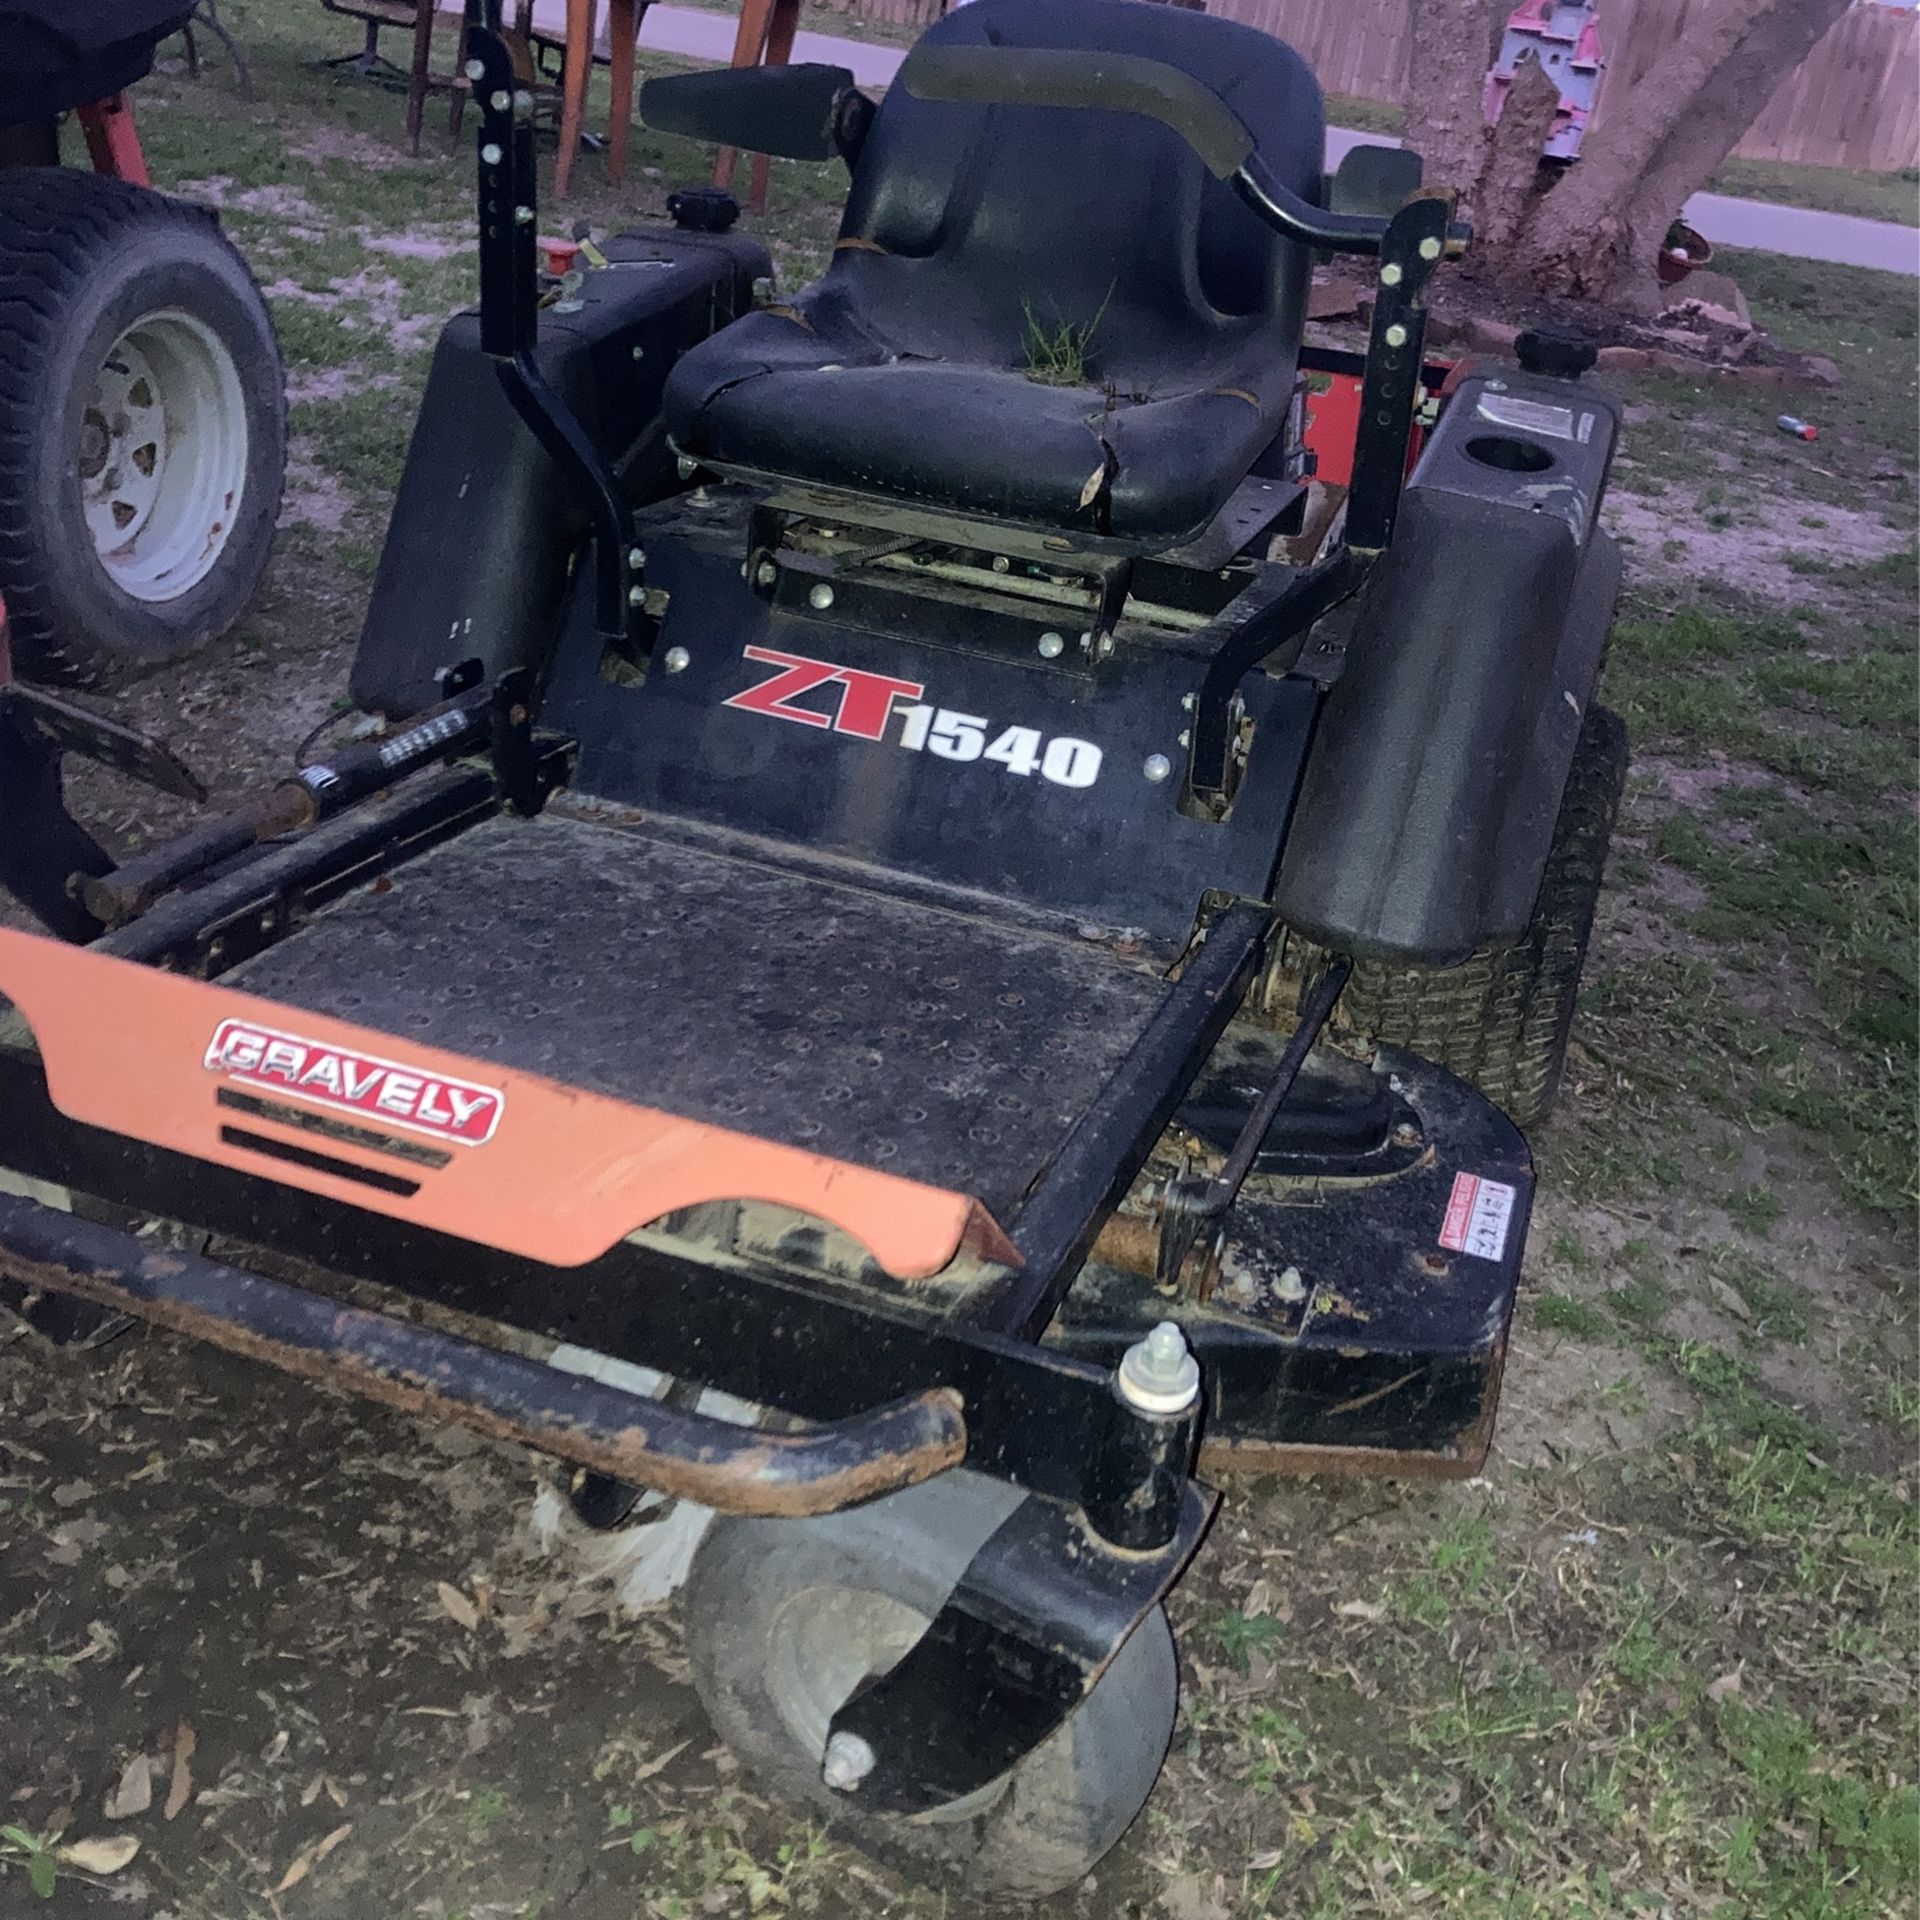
{"x":113,"y":141}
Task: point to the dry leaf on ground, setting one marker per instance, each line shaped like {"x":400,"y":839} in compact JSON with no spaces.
{"x":180,"y":1789}
{"x":458,"y":1606}
{"x":107,"y":1854}
{"x":134,"y":1792}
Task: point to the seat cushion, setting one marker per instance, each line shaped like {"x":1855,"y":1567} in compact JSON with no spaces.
{"x":905,"y":371}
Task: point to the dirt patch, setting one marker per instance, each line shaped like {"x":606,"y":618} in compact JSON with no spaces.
{"x":285,"y":204}
{"x":420,"y":244}
{"x":1672,"y":539}
{"x":314,"y":496}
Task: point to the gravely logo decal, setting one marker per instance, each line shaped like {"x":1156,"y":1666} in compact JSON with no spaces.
{"x":383,"y":1091}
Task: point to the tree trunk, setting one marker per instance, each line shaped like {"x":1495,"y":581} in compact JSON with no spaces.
{"x":1596,"y":234}
{"x":1454,"y":43}
{"x":1593,"y":231}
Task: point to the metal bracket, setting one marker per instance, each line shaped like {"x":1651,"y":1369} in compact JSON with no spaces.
{"x":1036,"y":1619}
{"x":509,"y":312}
{"x":1191,"y":1209}
{"x":1416,"y":241}
{"x":1309,"y":596}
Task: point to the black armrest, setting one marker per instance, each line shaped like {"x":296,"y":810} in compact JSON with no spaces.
{"x":799,"y":113}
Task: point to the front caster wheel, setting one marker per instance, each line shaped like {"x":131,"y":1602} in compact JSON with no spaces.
{"x":785,"y":1618}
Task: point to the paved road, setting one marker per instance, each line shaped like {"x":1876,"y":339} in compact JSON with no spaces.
{"x":1840,"y":237}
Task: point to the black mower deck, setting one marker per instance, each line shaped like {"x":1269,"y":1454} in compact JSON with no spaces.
{"x":932,"y":1044}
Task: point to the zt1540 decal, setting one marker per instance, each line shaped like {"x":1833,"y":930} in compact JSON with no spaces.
{"x":869,"y":706}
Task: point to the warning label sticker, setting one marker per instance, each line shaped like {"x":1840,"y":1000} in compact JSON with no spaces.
{"x":1479,"y":1212}
{"x":1533,"y":416}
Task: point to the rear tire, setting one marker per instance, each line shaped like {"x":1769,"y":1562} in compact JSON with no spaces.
{"x":786,"y":1617}
{"x":142,"y":426}
{"x":1501,"y":1020}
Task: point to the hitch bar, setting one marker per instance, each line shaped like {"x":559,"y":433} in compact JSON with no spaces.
{"x":421,"y":1371}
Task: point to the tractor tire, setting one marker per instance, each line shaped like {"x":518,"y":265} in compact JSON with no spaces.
{"x":785,"y":1618}
{"x":1501,"y":1019}
{"x":143,"y":427}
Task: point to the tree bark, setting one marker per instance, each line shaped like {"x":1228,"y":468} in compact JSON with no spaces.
{"x":1592,"y":231}
{"x":1595,"y":235}
{"x":1504,"y":199}
{"x":1454,"y":43}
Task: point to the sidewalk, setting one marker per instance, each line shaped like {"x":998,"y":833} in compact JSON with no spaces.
{"x":1842,"y":238}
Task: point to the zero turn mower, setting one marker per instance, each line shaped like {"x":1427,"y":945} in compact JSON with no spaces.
{"x":896,"y":975}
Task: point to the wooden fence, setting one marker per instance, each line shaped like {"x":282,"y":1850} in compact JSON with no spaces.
{"x":1854,"y":102}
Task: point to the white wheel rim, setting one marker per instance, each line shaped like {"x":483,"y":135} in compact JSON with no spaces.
{"x":162,"y":455}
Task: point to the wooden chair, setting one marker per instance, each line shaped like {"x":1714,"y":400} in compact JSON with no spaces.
{"x":405,"y":16}
{"x":577,"y":58}
{"x":764,"y":38}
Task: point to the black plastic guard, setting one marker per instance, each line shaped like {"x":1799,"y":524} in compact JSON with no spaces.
{"x":483,"y":530}
{"x":1429,"y":798}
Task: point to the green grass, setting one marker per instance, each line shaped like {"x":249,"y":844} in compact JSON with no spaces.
{"x":1873,"y":196}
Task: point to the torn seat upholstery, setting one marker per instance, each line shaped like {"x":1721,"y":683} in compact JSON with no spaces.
{"x":908,"y":371}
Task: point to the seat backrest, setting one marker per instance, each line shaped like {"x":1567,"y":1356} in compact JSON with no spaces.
{"x":963,"y":219}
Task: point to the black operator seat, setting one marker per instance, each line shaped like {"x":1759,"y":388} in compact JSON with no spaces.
{"x":903,"y":372}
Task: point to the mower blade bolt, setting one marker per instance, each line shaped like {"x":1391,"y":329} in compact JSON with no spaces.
{"x":1186,"y":703}
{"x":1158,"y":1374}
{"x":676,"y":659}
{"x":476,"y":71}
{"x":1158,"y":766}
{"x":1396,"y":335}
{"x":523,"y":216}
{"x":848,"y":1761}
{"x":636,"y":557}
{"x":501,"y":100}
{"x":688,"y":467}
{"x":820,"y":598}
{"x":768,"y":576}
{"x":1390,"y":274}
{"x":1001,"y":564}
{"x":1052,"y":646}
{"x":636,"y":596}
{"x":1430,"y":248}
{"x":490,"y":153}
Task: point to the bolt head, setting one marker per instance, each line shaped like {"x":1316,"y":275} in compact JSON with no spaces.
{"x":1429,"y":248}
{"x":635,"y":595}
{"x":636,"y":556}
{"x":476,"y":71}
{"x":1390,"y":274}
{"x":820,"y":598}
{"x":1001,"y":564}
{"x":1158,"y":1374}
{"x":1396,"y":335}
{"x":500,"y":100}
{"x":848,"y":1761}
{"x":523,"y":216}
{"x":490,"y":153}
{"x":1051,"y":645}
{"x":676,"y":659}
{"x":1158,"y":766}
{"x":768,"y":575}
{"x":688,"y":468}
{"x":1291,"y":1287}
